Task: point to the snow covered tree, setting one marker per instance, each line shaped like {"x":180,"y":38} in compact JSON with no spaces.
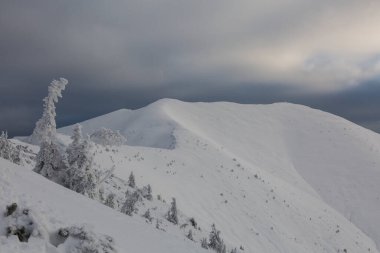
{"x":110,"y":200}
{"x":51,"y":162}
{"x":147,"y":215}
{"x":130,"y":202}
{"x":131,"y":180}
{"x":106,"y":137}
{"x":76,"y":146}
{"x":146,"y":192}
{"x":190,"y":235}
{"x":204,"y":243}
{"x":81,"y":175}
{"x":172,"y":215}
{"x":8,"y":150}
{"x":45,"y":129}
{"x":215,"y":241}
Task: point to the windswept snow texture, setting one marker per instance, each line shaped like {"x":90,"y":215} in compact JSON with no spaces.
{"x":273,"y":178}
{"x":54,"y":207}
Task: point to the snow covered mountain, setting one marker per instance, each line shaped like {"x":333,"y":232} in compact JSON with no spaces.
{"x":273,"y":178}
{"x":218,"y":148}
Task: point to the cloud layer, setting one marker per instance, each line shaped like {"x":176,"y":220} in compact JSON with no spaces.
{"x":185,"y":49}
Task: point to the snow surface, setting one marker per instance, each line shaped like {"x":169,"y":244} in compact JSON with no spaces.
{"x":273,"y":178}
{"x":54,"y":207}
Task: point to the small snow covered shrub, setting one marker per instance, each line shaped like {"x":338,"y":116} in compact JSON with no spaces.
{"x":106,"y":137}
{"x":82,"y":240}
{"x":21,"y":223}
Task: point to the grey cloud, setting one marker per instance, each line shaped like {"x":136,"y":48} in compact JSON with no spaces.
{"x":130,"y":53}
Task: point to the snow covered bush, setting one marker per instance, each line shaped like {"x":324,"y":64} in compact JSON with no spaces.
{"x":21,"y":223}
{"x":82,"y":240}
{"x":46,"y":127}
{"x":7,"y":150}
{"x":106,"y":137}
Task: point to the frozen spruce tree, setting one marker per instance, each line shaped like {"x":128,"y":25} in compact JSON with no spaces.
{"x":110,"y":200}
{"x":5,"y":146}
{"x":81,"y":175}
{"x":131,"y":180}
{"x":7,"y":150}
{"x":51,"y":162}
{"x":215,"y":241}
{"x":146,"y":192}
{"x":190,"y":235}
{"x":45,"y":129}
{"x":76,"y":144}
{"x":172,"y":215}
{"x":129,"y":206}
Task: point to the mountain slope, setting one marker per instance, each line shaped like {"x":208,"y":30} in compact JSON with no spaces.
{"x":54,"y":207}
{"x":267,"y":175}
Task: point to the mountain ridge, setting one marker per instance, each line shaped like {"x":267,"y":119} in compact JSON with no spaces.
{"x":275,"y":139}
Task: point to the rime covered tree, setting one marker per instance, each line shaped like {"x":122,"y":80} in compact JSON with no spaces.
{"x":45,"y":129}
{"x":215,"y":241}
{"x":147,"y":215}
{"x":8,"y":150}
{"x":81,"y":175}
{"x":76,"y":145}
{"x":146,"y":192}
{"x":51,"y":162}
{"x":172,"y":214}
{"x":107,"y":136}
{"x":110,"y":200}
{"x":204,"y":243}
{"x":190,"y":235}
{"x":131,"y":180}
{"x":129,"y":206}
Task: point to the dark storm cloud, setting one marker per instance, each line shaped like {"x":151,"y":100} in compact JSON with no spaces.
{"x":130,"y":53}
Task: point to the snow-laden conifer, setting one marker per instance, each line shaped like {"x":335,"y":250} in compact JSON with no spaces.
{"x":110,"y":200}
{"x":45,"y":129}
{"x":172,"y":215}
{"x":51,"y":162}
{"x":215,"y":241}
{"x":129,"y":205}
{"x":106,"y":136}
{"x":7,"y":150}
{"x":131,"y":180}
{"x":81,"y":175}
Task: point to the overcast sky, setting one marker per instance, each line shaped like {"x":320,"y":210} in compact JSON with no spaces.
{"x":126,"y":54}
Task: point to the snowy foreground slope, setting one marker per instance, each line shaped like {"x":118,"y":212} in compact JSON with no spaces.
{"x":54,"y":207}
{"x":273,"y":178}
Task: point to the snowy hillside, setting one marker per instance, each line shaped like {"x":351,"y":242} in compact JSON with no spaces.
{"x":52,"y":207}
{"x":273,"y":178}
